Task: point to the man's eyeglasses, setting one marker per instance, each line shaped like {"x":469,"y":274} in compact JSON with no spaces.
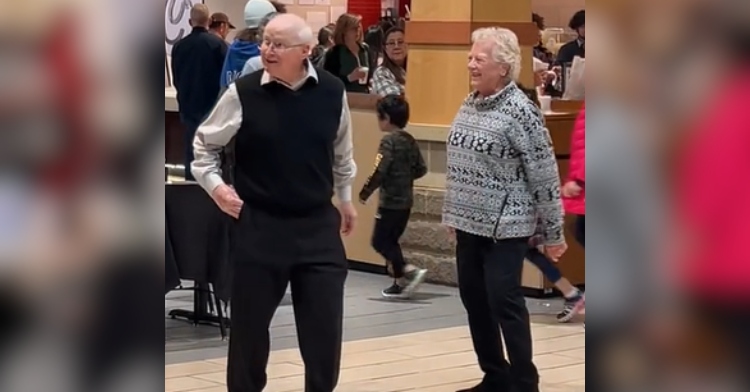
{"x":277,"y":46}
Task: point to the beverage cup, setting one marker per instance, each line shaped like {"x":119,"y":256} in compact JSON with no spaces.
{"x":545,"y":103}
{"x":364,"y":70}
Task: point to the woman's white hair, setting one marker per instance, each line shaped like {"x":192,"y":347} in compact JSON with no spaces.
{"x":506,"y":49}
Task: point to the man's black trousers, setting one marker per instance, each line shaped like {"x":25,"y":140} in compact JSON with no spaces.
{"x":489,"y":281}
{"x":389,"y":227}
{"x":270,"y":252}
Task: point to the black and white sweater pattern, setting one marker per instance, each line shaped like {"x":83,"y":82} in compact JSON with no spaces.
{"x":502,"y":179}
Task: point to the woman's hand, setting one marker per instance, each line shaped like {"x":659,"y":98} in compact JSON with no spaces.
{"x":555,"y":252}
{"x":571,"y":189}
{"x":357,"y":74}
{"x":451,"y":232}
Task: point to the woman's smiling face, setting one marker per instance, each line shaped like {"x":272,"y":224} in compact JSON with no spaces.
{"x":395,"y":46}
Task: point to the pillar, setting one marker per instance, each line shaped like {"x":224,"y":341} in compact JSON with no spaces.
{"x":439,"y":37}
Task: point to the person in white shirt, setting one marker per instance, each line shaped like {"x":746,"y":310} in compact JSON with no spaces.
{"x":293,"y":142}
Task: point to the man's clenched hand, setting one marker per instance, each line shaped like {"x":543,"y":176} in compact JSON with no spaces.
{"x":228,"y":201}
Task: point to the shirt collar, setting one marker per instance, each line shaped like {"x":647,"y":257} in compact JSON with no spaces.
{"x":310,"y":71}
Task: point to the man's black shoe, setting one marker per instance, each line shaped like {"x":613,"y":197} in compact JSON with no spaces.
{"x":476,"y":388}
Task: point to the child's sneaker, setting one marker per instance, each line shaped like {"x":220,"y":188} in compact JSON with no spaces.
{"x":414,"y":279}
{"x":404,"y":288}
{"x":572,"y":307}
{"x":395,"y":291}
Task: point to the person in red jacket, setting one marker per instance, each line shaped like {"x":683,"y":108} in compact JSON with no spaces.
{"x":574,"y":189}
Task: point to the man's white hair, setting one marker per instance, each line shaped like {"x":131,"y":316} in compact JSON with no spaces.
{"x":296,"y":27}
{"x":506,"y":49}
{"x":306,"y":35}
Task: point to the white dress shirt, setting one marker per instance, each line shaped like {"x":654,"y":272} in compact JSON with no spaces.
{"x":251,"y":65}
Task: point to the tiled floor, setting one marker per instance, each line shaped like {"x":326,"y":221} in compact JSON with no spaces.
{"x":390,"y":346}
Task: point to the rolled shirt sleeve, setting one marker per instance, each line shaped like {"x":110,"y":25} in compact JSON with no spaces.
{"x":344,"y":167}
{"x":212,"y":136}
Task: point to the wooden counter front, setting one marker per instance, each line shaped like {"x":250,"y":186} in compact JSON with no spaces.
{"x":367,"y":137}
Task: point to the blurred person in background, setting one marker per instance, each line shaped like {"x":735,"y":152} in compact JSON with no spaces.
{"x":502,"y":187}
{"x":289,"y":162}
{"x":255,"y":63}
{"x":540,"y":51}
{"x":220,"y":25}
{"x":197,"y":59}
{"x":325,"y":42}
{"x":712,"y":221}
{"x":622,"y":161}
{"x":374,"y":37}
{"x":73,"y":200}
{"x":544,"y":72}
{"x":349,"y":59}
{"x":577,"y":47}
{"x":390,"y":77}
{"x":246,"y":43}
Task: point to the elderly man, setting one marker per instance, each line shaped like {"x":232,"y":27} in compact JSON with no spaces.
{"x":293,"y":143}
{"x":502,"y":187}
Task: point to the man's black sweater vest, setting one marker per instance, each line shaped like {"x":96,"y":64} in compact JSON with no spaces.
{"x":284,"y":151}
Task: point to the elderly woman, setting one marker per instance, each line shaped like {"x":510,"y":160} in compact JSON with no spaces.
{"x":502,"y":188}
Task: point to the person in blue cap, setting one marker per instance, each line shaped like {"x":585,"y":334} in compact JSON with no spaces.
{"x":246,"y":44}
{"x":254,"y":63}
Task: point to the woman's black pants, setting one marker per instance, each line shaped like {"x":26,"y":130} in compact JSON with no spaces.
{"x":270,"y":252}
{"x":489,"y":281}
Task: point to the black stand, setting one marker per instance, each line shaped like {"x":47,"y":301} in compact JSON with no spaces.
{"x":200,"y":313}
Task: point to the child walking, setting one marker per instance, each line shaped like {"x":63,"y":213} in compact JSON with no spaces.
{"x":397,"y":164}
{"x":574,"y":298}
